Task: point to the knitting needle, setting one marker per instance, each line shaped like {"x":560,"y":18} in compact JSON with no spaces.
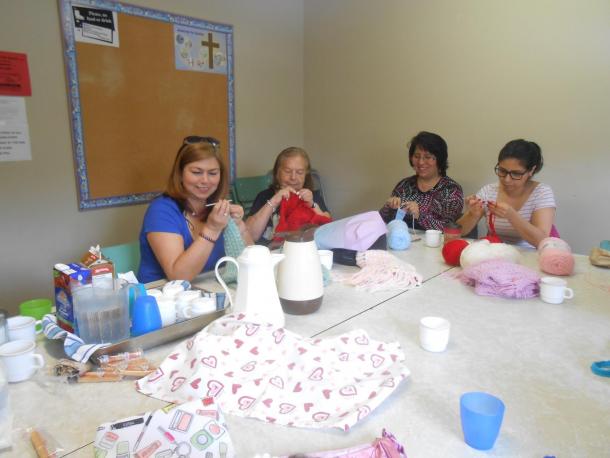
{"x":214,"y":203}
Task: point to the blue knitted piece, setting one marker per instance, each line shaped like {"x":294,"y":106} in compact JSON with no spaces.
{"x":326,"y":279}
{"x":234,"y":245}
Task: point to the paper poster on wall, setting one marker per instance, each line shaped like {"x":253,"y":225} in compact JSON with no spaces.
{"x":14,"y":74}
{"x":96,"y":26}
{"x":14,"y":130}
{"x":200,"y":50}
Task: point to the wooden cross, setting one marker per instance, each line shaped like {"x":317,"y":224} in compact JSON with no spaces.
{"x":210,"y":44}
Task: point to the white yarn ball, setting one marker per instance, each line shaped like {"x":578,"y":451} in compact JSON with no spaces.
{"x":482,"y":250}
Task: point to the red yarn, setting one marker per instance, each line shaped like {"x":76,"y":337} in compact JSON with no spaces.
{"x":295,"y":213}
{"x":491,"y":234}
{"x":493,"y":238}
{"x":452,"y":251}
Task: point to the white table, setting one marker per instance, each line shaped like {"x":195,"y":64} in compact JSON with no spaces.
{"x":533,"y":355}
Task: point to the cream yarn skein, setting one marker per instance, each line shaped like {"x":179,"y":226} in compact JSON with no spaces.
{"x":482,"y":250}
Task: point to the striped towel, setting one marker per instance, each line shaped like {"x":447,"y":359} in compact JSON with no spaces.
{"x":74,"y":346}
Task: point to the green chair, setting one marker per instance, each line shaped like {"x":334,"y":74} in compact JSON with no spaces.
{"x":125,"y":257}
{"x":247,"y":188}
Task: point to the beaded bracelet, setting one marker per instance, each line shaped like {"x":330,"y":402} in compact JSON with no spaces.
{"x":270,"y":204}
{"x":205,"y":237}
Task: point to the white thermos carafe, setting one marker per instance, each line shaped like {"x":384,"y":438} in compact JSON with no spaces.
{"x":300,"y":284}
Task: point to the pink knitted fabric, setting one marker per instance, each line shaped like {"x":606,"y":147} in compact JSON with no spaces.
{"x":500,"y":278}
{"x":380,"y":271}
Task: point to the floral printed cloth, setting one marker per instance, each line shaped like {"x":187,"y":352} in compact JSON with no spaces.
{"x":272,"y":374}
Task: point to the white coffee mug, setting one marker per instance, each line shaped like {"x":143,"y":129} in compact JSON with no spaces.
{"x":432,"y":238}
{"x":434,"y":333}
{"x":326,"y":258}
{"x":183,"y":302}
{"x":200,"y":306}
{"x":20,"y":361}
{"x":554,"y":290}
{"x":172,"y":291}
{"x":154,"y":292}
{"x":22,"y":327}
{"x":167,"y":310}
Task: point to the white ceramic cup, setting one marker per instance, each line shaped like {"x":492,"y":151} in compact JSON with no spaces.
{"x":20,"y":361}
{"x":326,"y":258}
{"x":23,"y":327}
{"x":154,"y":292}
{"x":183,"y":303}
{"x":554,"y":290}
{"x":172,"y":291}
{"x":434,"y":333}
{"x":432,"y":238}
{"x":167,"y":310}
{"x":200,"y":306}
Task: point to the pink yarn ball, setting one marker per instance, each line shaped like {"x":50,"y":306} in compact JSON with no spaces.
{"x":556,"y":262}
{"x":555,"y":256}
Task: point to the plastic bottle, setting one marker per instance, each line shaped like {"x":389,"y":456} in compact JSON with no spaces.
{"x":6,"y":419}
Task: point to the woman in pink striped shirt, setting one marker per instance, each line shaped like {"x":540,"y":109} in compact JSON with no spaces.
{"x":521,"y":210}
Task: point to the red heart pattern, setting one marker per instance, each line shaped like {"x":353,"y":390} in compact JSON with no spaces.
{"x":270,"y":371}
{"x":377,"y":360}
{"x":277,"y":381}
{"x":214,"y":388}
{"x":317,"y":374}
{"x":245,"y":402}
{"x":349,"y":390}
{"x":286,"y":408}
{"x":209,"y":361}
{"x":249,"y":366}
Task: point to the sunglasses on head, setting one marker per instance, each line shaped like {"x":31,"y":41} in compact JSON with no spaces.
{"x":192,"y":139}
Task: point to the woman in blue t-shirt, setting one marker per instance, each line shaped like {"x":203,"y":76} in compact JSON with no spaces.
{"x":182,"y":234}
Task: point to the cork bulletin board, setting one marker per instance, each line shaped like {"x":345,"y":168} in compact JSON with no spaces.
{"x":139,"y":81}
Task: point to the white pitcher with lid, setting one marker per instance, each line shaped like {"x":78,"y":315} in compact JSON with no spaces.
{"x":256,"y":293}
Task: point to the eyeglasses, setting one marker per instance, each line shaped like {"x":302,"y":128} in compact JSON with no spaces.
{"x":192,"y":139}
{"x":514,"y":174}
{"x":424,"y":157}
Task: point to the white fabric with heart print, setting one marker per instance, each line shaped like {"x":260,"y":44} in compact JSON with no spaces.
{"x":275,"y":375}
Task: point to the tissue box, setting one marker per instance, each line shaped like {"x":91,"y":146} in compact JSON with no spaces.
{"x":66,"y":279}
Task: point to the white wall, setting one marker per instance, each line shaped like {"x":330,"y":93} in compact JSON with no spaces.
{"x":479,"y":73}
{"x":352,"y":80}
{"x":39,"y":219}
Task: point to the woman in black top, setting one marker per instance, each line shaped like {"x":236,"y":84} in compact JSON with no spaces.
{"x":291,"y":174}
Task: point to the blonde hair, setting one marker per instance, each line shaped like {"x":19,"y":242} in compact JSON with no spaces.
{"x":292,"y":151}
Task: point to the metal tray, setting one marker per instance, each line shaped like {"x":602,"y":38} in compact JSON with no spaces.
{"x":167,"y":334}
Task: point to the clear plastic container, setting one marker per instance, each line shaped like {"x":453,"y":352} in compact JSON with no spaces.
{"x":102,"y":315}
{"x":3,"y":326}
{"x":6,"y":419}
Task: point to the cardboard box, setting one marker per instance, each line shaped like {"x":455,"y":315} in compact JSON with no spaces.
{"x":91,"y":272}
{"x":66,"y":279}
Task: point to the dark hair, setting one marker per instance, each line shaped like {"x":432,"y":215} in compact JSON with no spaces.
{"x":192,"y":152}
{"x":292,"y":151}
{"x":433,"y":144}
{"x":528,"y":153}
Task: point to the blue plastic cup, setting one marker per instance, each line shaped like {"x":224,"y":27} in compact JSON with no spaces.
{"x":146,"y":316}
{"x":481,"y":415}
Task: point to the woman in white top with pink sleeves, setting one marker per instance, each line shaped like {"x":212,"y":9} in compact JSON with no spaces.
{"x":521,"y":210}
